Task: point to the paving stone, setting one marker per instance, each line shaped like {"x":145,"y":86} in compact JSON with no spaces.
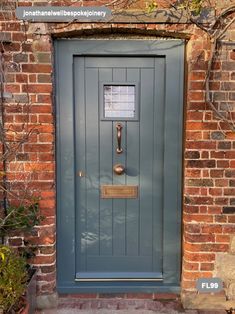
{"x":117,"y":306}
{"x":107,"y":311}
{"x":212,"y":312}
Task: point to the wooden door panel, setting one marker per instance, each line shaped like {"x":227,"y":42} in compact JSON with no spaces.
{"x":118,"y":229}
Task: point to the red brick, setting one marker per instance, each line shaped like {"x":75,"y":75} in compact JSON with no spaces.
{"x":36,"y":88}
{"x":221,"y":182}
{"x":203,"y":209}
{"x":199,"y":66}
{"x":12,"y":88}
{"x":230,"y":173}
{"x":195,"y":238}
{"x":188,"y":285}
{"x":38,"y":147}
{"x":217,"y":154}
{"x":230,"y":154}
{"x":36,"y":68}
{"x":192,"y":228}
{"x":17,"y":36}
{"x":21,"y":78}
{"x":207,"y":266}
{"x":43,"y":241}
{"x":230,"y":135}
{"x":39,"y":167}
{"x":46,"y":128}
{"x":191,"y":209}
{"x":215,"y":191}
{"x":44,"y":78}
{"x":46,"y":176}
{"x":231,"y":219}
{"x":32,"y":79}
{"x":194,"y":135}
{"x":232,"y":55}
{"x":165,"y":296}
{"x":195,"y":116}
{"x":48,"y":203}
{"x":194,"y":173}
{"x":11,"y":26}
{"x":197,"y":85}
{"x":221,"y":201}
{"x":48,"y":194}
{"x":197,"y":75}
{"x":214,"y":210}
{"x":201,"y":126}
{"x":228,"y":229}
{"x":200,"y":163}
{"x":222,"y":164}
{"x":229,"y":192}
{"x":215,"y":85}
{"x":193,"y":105}
{"x":201,"y":145}
{"x":204,"y":154}
{"x":45,"y":119}
{"x":196,"y":96}
{"x":222,"y":238}
{"x":48,"y":138}
{"x":45,"y":99}
{"x":139,"y":296}
{"x":190,"y":266}
{"x":215,"y":247}
{"x":220,"y":218}
{"x":195,"y":275}
{"x":197,"y":218}
{"x":40,"y":109}
{"x":211,"y":229}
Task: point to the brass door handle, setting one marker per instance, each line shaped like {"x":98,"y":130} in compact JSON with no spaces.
{"x":119,"y":169}
{"x":119,"y":149}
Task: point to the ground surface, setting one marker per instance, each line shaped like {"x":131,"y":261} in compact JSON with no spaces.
{"x":102,"y":311}
{"x":119,"y":306}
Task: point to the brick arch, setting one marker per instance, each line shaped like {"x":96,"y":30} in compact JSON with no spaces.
{"x":142,"y":31}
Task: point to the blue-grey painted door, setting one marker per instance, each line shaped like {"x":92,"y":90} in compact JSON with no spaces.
{"x":118,"y":243}
{"x":119,"y":237}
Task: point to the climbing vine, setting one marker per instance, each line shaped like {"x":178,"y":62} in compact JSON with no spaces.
{"x":16,"y":207}
{"x":215,"y":28}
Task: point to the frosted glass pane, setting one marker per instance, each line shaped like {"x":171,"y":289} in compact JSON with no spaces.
{"x":119,"y":101}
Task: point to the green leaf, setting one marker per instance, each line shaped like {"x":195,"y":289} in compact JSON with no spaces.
{"x":151,"y":6}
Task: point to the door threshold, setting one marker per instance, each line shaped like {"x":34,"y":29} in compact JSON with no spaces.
{"x":116,"y":279}
{"x":120,"y":276}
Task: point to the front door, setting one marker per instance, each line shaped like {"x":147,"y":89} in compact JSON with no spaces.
{"x":118,"y":165}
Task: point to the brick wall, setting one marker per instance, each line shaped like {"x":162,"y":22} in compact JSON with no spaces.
{"x":209,"y":184}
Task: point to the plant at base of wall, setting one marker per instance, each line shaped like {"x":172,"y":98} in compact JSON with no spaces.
{"x":13,"y":280}
{"x":22,"y":217}
{"x":14,"y":270}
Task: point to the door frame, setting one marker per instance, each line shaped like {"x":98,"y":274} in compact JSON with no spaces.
{"x":173,"y":53}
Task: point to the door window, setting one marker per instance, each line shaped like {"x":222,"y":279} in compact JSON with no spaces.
{"x":119,"y":101}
